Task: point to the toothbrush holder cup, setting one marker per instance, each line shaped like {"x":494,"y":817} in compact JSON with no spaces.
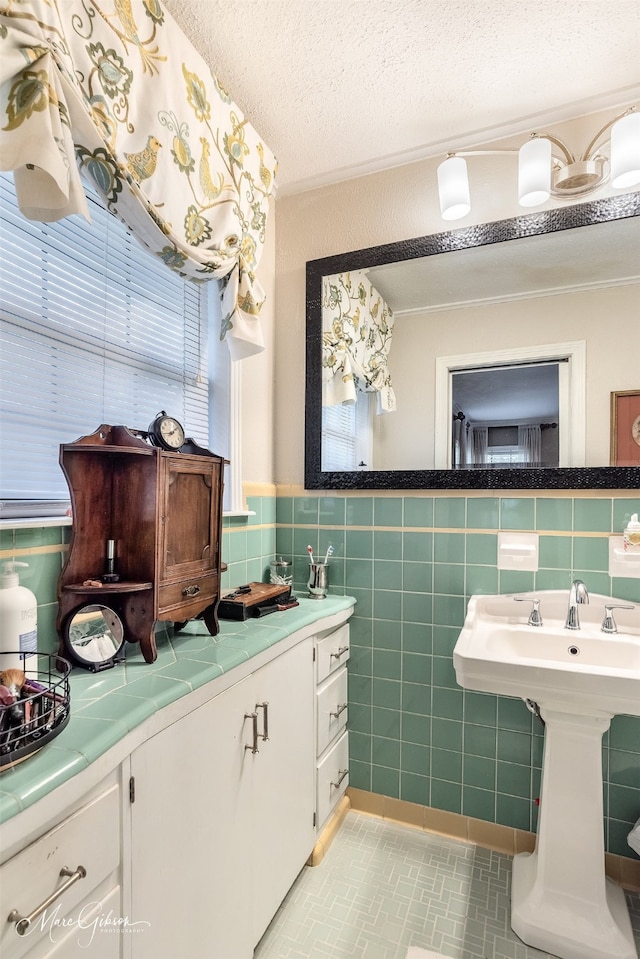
{"x":318,"y":581}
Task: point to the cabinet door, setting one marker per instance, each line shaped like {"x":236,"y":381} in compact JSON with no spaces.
{"x":283,"y":781}
{"x":190,"y":842}
{"x":190,"y":521}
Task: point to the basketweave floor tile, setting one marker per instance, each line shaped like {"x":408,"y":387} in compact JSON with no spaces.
{"x":388,"y":891}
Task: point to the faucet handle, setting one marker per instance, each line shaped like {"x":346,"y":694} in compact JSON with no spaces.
{"x":609,"y":623}
{"x":535,"y":617}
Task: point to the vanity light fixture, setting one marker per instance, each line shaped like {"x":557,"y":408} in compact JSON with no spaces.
{"x":541,"y":174}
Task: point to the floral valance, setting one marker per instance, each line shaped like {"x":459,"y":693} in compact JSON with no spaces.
{"x":115,"y":90}
{"x":357,"y":327}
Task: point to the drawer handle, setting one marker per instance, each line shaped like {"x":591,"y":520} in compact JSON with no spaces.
{"x":254,"y":729}
{"x":341,"y":775}
{"x":264,"y":735}
{"x":191,"y":591}
{"x":339,"y":710}
{"x":23,"y":922}
{"x":339,"y":652}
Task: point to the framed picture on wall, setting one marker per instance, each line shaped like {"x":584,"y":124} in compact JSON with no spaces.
{"x":625,"y":428}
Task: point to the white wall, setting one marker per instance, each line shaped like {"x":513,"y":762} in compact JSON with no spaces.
{"x":600,"y":317}
{"x":257,"y":377}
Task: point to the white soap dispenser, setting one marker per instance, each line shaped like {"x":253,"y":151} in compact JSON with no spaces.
{"x":631,"y":536}
{"x":18,"y":619}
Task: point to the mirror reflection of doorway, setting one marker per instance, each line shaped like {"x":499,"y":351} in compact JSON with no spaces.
{"x":506,"y":416}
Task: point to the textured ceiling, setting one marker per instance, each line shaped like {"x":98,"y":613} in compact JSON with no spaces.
{"x":338,"y":88}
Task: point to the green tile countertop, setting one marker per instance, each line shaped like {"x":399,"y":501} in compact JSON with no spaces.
{"x":106,"y":706}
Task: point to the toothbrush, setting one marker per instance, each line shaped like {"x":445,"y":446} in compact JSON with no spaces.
{"x":328,"y":554}
{"x":310,"y":552}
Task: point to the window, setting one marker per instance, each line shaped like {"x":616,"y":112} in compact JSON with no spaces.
{"x":93,"y":329}
{"x":347,"y":436}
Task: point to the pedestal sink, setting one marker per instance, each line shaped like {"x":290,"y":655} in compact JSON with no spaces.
{"x":561,"y":900}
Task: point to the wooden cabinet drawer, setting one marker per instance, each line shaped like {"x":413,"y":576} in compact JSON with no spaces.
{"x":187,"y":591}
{"x":332,"y":652}
{"x":332,"y":711}
{"x":89,"y":838}
{"x":332,"y":778}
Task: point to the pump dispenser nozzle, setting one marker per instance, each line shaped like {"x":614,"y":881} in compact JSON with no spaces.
{"x":9,"y":577}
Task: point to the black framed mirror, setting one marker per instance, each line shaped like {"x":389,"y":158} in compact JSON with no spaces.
{"x":94,"y":637}
{"x":552,"y":222}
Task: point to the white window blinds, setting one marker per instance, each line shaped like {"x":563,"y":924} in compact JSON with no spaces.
{"x":347,"y":435}
{"x":93,"y":329}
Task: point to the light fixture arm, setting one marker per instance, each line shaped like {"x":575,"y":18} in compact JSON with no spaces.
{"x":595,"y":142}
{"x":569,"y":157}
{"x":588,"y":153}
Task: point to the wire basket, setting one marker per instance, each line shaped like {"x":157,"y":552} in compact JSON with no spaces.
{"x":41,"y":704}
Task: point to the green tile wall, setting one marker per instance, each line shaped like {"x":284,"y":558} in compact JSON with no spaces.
{"x":412,"y":563}
{"x":248,"y":544}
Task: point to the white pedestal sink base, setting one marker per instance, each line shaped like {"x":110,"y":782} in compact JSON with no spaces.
{"x":562,"y":926}
{"x":561,"y":900}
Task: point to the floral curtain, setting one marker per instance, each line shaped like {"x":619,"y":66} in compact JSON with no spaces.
{"x":357,"y":328}
{"x":114,"y":89}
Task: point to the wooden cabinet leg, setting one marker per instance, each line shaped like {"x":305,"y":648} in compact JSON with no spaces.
{"x":210,"y":617}
{"x":148,"y":646}
{"x":139,"y":625}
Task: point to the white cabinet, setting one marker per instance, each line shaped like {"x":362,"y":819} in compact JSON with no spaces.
{"x":230,"y":783}
{"x":332,"y":742}
{"x":223,"y":815}
{"x":75,"y":868}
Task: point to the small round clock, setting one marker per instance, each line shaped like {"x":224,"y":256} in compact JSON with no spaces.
{"x":166,"y":432}
{"x":635,"y":430}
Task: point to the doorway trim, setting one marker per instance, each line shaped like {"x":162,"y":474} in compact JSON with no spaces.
{"x":572,"y":415}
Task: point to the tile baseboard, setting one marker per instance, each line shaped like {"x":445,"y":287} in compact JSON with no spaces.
{"x":328,"y":834}
{"x":622,"y":870}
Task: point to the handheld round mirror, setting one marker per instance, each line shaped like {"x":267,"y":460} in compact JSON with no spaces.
{"x":94,"y":637}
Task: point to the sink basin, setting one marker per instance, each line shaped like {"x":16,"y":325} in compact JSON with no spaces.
{"x":498,"y":652}
{"x":561,"y":901}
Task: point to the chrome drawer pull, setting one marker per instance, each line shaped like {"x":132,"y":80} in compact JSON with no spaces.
{"x":339,"y":652}
{"x":254,"y":723}
{"x":191,"y":591}
{"x":341,"y":775}
{"x":265,"y":720}
{"x":23,"y":922}
{"x":340,"y":709}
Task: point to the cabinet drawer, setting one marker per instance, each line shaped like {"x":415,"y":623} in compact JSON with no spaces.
{"x":332,"y":778}
{"x":195,"y":591}
{"x":89,"y":838}
{"x":332,"y":652}
{"x":331,"y":705}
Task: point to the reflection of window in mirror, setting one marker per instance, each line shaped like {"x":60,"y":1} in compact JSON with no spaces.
{"x":347,"y":435}
{"x":506,"y":416}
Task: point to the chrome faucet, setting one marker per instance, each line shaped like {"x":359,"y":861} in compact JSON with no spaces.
{"x":577,"y":596}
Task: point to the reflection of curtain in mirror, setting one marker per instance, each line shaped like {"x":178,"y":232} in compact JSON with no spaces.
{"x":479,"y":444}
{"x":459,"y":442}
{"x":357,"y":329}
{"x":530,"y":440}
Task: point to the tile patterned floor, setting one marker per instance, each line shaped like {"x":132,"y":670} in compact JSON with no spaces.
{"x":383,"y":887}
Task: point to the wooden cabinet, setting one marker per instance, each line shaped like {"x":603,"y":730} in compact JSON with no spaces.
{"x":163,"y":512}
{"x":220,"y":831}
